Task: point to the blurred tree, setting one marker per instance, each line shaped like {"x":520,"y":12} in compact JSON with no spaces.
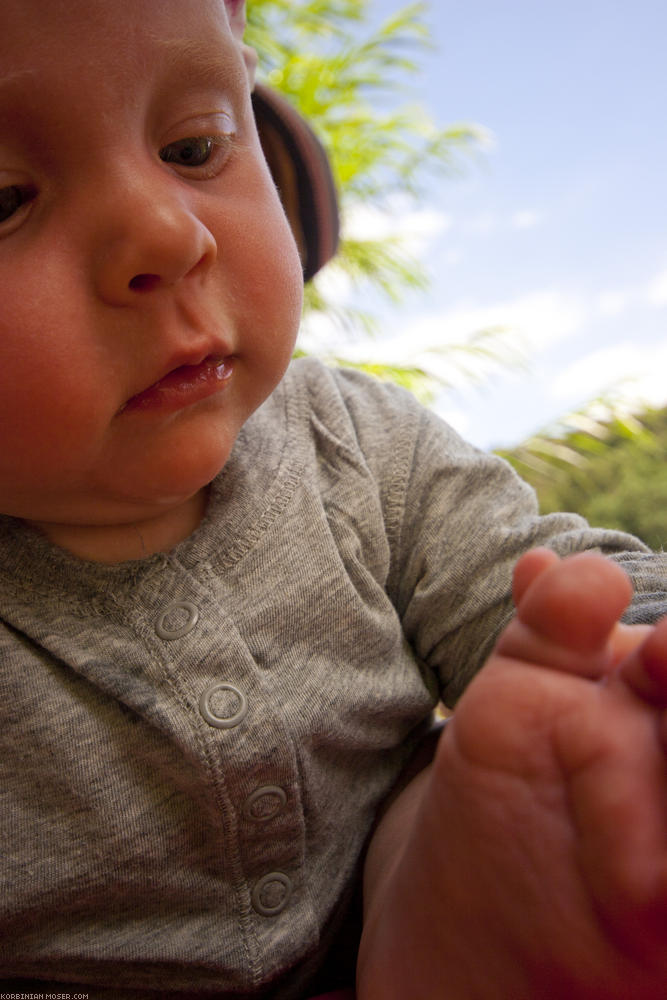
{"x":349,"y":78}
{"x":610,"y":468}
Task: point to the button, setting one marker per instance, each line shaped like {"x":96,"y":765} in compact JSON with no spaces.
{"x":271,"y":894}
{"x":223,"y":706}
{"x":177,"y":620}
{"x":264,"y":803}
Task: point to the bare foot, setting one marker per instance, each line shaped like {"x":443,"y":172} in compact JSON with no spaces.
{"x":534,"y":853}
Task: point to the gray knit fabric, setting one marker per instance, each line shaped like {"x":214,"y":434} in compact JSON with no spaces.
{"x":193,"y":747}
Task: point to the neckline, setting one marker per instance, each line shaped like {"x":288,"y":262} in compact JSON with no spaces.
{"x":261,"y":474}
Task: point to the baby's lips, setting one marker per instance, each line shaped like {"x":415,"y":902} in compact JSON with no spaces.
{"x":183,"y":385}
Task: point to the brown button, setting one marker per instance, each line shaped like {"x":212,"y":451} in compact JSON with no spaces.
{"x":271,"y":894}
{"x":264,"y":803}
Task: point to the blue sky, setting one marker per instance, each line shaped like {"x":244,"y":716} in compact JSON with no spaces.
{"x":560,"y":234}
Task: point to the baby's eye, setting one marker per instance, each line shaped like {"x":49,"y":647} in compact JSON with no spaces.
{"x":12,"y":199}
{"x":192,"y":152}
{"x":199,"y":157}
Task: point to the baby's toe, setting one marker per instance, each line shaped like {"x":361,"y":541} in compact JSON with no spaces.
{"x":566,"y":613}
{"x":645,"y":668}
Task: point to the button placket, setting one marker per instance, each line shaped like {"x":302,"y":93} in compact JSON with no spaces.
{"x":225,"y":705}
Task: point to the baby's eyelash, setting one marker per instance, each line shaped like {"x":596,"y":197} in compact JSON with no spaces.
{"x":12,"y":198}
{"x":195,"y":152}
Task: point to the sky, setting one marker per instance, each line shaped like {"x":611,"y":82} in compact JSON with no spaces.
{"x":558,"y":234}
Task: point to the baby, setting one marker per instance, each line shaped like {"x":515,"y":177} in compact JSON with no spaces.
{"x":233,"y":589}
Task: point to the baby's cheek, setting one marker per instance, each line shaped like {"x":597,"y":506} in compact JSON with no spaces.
{"x":269,"y":271}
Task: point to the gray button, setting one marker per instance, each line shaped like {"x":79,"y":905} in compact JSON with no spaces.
{"x":271,"y":894}
{"x":177,"y":620}
{"x":265,"y":803}
{"x":223,"y":706}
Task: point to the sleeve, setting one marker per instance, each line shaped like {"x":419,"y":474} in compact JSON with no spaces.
{"x":467,"y":519}
{"x":459,"y":520}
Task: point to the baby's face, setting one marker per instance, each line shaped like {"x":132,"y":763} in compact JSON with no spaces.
{"x":151,"y":287}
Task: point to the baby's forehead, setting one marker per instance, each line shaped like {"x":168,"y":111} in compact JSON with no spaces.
{"x":94,"y":39}
{"x":39,"y":25}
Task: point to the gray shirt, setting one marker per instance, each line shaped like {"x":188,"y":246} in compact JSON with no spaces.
{"x":193,"y":747}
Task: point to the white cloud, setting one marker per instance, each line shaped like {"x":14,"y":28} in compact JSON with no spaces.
{"x":526,"y":219}
{"x":452,"y":257}
{"x":590,"y":375}
{"x":522,"y":327}
{"x":657,"y":290}
{"x":651,"y":387}
{"x":537,"y":320}
{"x":636,"y":371}
{"x":652,"y":293}
{"x":482,"y":224}
{"x":488,"y":223}
{"x":456,"y":418}
{"x":418,"y":228}
{"x":614,"y":302}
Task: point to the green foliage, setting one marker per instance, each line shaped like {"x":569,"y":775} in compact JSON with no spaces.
{"x":349,"y":79}
{"x":413,"y":377}
{"x":611,"y":471}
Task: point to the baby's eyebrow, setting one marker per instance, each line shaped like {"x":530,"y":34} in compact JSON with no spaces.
{"x":203,"y":64}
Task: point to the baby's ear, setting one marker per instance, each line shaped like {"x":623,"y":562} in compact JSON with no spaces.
{"x":236,"y":16}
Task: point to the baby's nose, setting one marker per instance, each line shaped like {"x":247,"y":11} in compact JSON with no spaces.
{"x":152,"y":239}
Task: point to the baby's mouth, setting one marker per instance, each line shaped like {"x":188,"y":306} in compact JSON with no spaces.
{"x":183,"y":386}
